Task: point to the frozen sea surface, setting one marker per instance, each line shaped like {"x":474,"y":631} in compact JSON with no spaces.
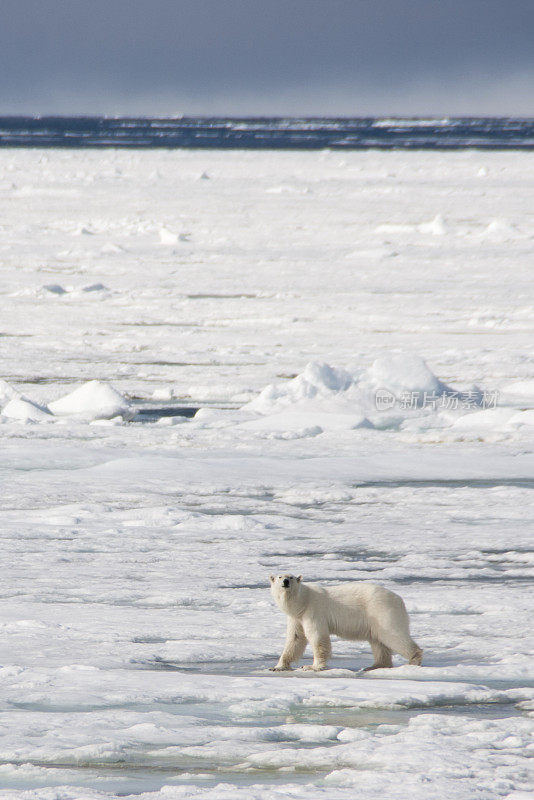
{"x":283,"y":294}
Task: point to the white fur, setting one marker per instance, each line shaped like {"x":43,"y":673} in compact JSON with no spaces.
{"x":357,"y":611}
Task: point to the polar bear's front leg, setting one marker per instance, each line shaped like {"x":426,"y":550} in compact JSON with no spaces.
{"x":295,"y":645}
{"x":322,"y":649}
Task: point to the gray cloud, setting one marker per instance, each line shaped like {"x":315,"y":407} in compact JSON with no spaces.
{"x":273,"y":56}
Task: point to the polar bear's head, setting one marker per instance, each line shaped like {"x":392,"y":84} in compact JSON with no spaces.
{"x":284,"y":586}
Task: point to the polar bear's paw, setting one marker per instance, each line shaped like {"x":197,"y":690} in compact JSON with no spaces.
{"x":313,"y":668}
{"x":279,"y":669}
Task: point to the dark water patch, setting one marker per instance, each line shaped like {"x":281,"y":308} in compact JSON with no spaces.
{"x":149,"y":640}
{"x":222,"y":296}
{"x":42,"y":379}
{"x":262,"y":585}
{"x":461,"y":581}
{"x":344,"y":554}
{"x":447,"y":483}
{"x":160,"y":324}
{"x":153,"y":414}
{"x":214,"y":363}
{"x":16,"y":335}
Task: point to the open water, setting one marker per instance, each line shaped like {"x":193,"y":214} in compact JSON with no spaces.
{"x":269,"y":132}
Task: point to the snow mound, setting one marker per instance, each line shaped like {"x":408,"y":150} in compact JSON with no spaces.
{"x":499,"y":230}
{"x":404,"y":372}
{"x":24,"y":410}
{"x":317,"y":381}
{"x":93,"y":400}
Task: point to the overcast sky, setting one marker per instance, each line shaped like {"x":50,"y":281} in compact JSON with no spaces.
{"x":315,"y":57}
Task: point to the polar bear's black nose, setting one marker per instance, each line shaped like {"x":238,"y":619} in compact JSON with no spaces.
{"x":285,"y":583}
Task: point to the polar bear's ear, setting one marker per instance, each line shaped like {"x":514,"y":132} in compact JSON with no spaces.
{"x":271,"y":578}
{"x":299,"y":578}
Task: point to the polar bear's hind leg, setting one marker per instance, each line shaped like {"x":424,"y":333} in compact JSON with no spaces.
{"x":382,"y":656}
{"x":391,"y":628}
{"x":403,"y":644}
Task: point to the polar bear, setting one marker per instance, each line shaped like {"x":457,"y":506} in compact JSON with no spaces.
{"x":357,"y":611}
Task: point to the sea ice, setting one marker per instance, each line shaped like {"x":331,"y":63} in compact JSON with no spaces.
{"x":137,"y":628}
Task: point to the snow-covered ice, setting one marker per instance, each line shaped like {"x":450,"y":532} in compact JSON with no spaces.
{"x":357,"y":335}
{"x":92,"y":400}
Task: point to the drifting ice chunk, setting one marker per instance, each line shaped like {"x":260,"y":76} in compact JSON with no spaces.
{"x":490,"y":418}
{"x":436,"y":227}
{"x":25,"y":411}
{"x":162,"y":394}
{"x":167,"y":237}
{"x":404,"y":372}
{"x":93,"y":400}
